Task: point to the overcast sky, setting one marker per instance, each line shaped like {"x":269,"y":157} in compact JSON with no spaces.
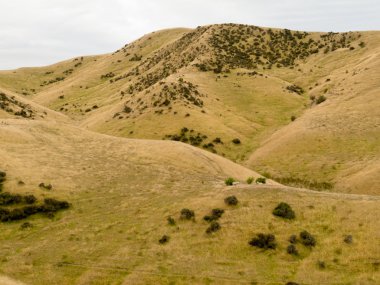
{"x":41,"y":32}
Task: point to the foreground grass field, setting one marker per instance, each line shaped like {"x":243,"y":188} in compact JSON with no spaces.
{"x":121,"y":193}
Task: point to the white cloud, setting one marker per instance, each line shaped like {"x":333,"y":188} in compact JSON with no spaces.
{"x":38,"y":32}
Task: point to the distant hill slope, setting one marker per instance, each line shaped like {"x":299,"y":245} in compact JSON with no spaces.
{"x":215,"y":84}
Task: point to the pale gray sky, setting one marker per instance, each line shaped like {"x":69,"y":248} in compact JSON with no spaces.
{"x":41,"y":32}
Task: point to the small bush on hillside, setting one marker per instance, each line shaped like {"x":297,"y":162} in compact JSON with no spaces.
{"x":215,"y":215}
{"x":293,"y":239}
{"x":265,"y":241}
{"x":307,"y":239}
{"x":45,"y":186}
{"x":2,"y":176}
{"x":187,"y":214}
{"x":321,"y":264}
{"x":56,"y":205}
{"x":30,"y":199}
{"x":236,"y":141}
{"x":26,"y":225}
{"x":348,"y":239}
{"x":214,"y":227}
{"x":171,"y":221}
{"x":291,"y":249}
{"x":261,"y":180}
{"x":284,"y":210}
{"x":250,"y":180}
{"x":231,"y":201}
{"x":229,"y":181}
{"x":321,"y":99}
{"x":164,"y":239}
{"x":293,"y":118}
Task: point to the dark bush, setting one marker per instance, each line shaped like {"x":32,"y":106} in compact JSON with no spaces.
{"x":26,"y":225}
{"x":348,"y":239}
{"x":283,"y":210}
{"x":293,"y":239}
{"x":321,"y":264}
{"x":56,"y":205}
{"x":321,"y":99}
{"x":215,"y":215}
{"x":307,"y":239}
{"x":171,"y":221}
{"x":164,"y":239}
{"x":291,"y":283}
{"x":291,"y":249}
{"x":231,"y":201}
{"x":30,"y":199}
{"x":229,"y":181}
{"x":261,"y":180}
{"x":45,"y":186}
{"x":265,"y":241}
{"x":16,"y":214}
{"x":214,"y":227}
{"x":250,"y":180}
{"x":187,"y":214}
{"x":236,"y":141}
{"x":10,"y":199}
{"x":293,"y":118}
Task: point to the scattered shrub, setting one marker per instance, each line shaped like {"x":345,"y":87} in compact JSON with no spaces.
{"x":293,"y":118}
{"x":55,"y":204}
{"x":321,"y":99}
{"x":171,"y":221}
{"x":321,"y":264}
{"x":214,"y":227}
{"x":236,"y":141}
{"x":307,"y":239}
{"x":215,"y":215}
{"x":231,"y":201}
{"x":45,"y":186}
{"x":30,"y":199}
{"x":26,"y":225}
{"x":187,"y":214}
{"x":348,"y":239}
{"x":284,"y":210}
{"x":291,"y":249}
{"x":229,"y":181}
{"x":293,"y":239}
{"x":250,"y":180}
{"x":164,"y":239}
{"x":265,"y":241}
{"x":261,"y":180}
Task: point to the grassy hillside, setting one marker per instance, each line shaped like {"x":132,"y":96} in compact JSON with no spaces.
{"x":227,"y":82}
{"x":122,"y":191}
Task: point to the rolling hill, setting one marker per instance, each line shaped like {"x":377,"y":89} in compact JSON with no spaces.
{"x":131,"y":138}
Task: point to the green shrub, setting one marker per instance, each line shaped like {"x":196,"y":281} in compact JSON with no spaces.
{"x":321,"y":99}
{"x":171,"y":221}
{"x":291,"y":249}
{"x":187,"y":214}
{"x":265,"y":241}
{"x":261,"y":180}
{"x":164,"y":239}
{"x":231,"y":201}
{"x":236,"y":141}
{"x":215,"y":215}
{"x":307,"y":239}
{"x":9,"y":199}
{"x":30,"y":199}
{"x":250,"y":180}
{"x":229,"y":181}
{"x":284,"y":210}
{"x":214,"y":227}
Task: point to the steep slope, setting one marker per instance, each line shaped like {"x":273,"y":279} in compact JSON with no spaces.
{"x":217,"y":84}
{"x":122,"y":191}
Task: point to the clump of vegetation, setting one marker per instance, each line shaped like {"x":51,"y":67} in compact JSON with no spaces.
{"x":298,"y":182}
{"x":284,"y":210}
{"x":229,"y":181}
{"x":293,"y":239}
{"x":231,"y":201}
{"x":214,"y":227}
{"x":320,"y":99}
{"x":164,"y":239}
{"x":293,"y":118}
{"x":307,"y":239}
{"x":265,"y":241}
{"x":26,"y":225}
{"x":236,"y":141}
{"x":187,"y":214}
{"x":136,"y":57}
{"x":45,"y":186}
{"x":171,"y":221}
{"x":250,"y":180}
{"x":296,"y":89}
{"x":215,"y":215}
{"x":291,"y":249}
{"x":261,"y":180}
{"x":348,"y":239}
{"x":107,"y":75}
{"x":2,"y":179}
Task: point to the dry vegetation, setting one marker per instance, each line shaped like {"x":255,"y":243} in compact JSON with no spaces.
{"x":300,"y":108}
